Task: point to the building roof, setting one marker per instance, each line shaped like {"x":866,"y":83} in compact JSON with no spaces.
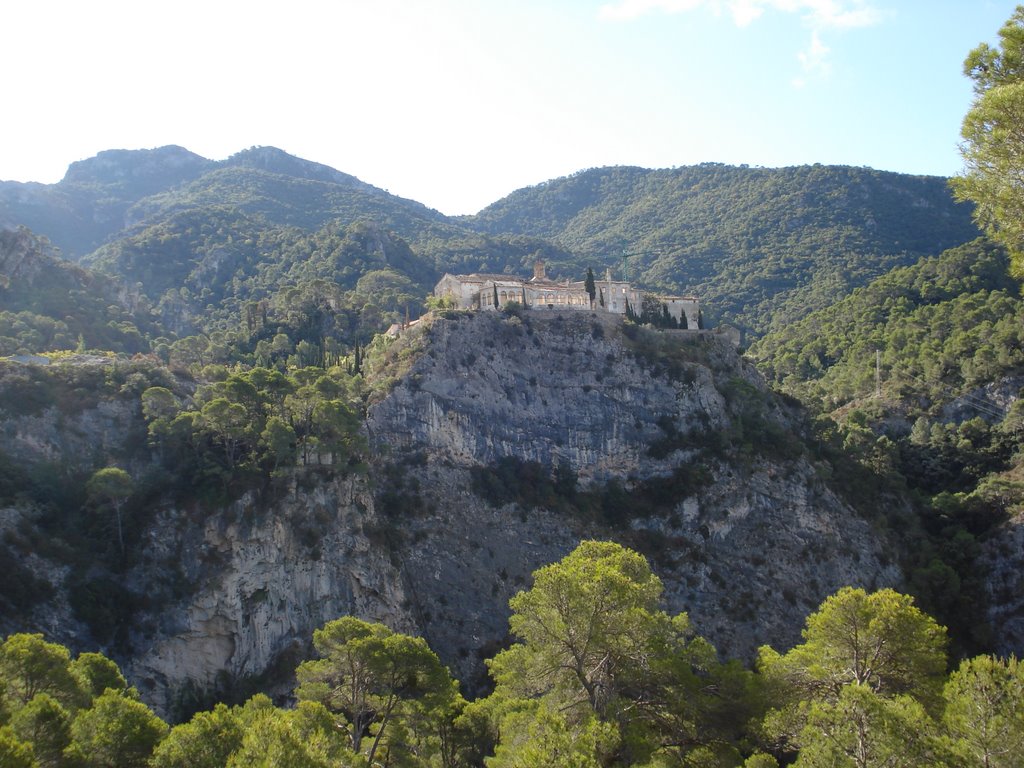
{"x":478,"y":277}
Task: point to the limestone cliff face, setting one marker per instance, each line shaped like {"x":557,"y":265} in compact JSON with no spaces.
{"x":265,"y":574}
{"x":748,"y":541}
{"x":546,"y":387}
{"x":748,"y":553}
{"x":1002,"y":558}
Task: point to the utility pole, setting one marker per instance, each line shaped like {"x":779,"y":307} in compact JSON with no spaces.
{"x":878,"y":373}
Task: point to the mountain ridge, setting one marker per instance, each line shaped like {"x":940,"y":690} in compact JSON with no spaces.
{"x":92,"y":202}
{"x":760,"y":246}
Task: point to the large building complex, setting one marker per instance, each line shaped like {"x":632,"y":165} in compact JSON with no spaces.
{"x":492,"y":292}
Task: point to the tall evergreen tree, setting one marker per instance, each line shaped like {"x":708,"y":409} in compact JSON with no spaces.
{"x":993,"y":145}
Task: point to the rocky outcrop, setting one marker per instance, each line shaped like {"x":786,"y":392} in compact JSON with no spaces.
{"x":992,"y":401}
{"x":745,"y":534}
{"x":547,"y":387}
{"x":263,"y":575}
{"x":1002,"y":561}
{"x":748,"y":553}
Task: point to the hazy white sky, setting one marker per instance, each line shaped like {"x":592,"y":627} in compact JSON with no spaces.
{"x":456,"y":103}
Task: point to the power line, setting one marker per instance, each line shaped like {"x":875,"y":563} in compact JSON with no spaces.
{"x":973,"y":401}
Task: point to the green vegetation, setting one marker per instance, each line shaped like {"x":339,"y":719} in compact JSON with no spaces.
{"x":47,"y":304}
{"x":946,"y":324}
{"x":598,"y":677}
{"x":59,"y":711}
{"x":992,"y":141}
{"x":599,"y":663}
{"x":944,"y":333}
{"x":376,"y":682}
{"x":216,"y":270}
{"x":761,"y":247}
{"x":860,"y":685}
{"x":256,"y":422}
{"x":111,"y":487}
{"x":195,"y":444}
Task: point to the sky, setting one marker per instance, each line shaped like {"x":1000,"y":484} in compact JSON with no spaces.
{"x":457,"y":103}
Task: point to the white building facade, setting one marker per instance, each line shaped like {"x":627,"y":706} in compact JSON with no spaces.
{"x":488,"y":292}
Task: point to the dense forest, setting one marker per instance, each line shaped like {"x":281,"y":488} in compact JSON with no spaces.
{"x":920,"y":370}
{"x":598,"y":675}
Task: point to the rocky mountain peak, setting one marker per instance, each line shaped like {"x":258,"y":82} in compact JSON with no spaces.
{"x":144,"y":171}
{"x":278,"y":161}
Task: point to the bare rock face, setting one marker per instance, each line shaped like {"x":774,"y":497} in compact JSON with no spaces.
{"x":748,"y":542}
{"x":504,"y":442}
{"x":1002,"y":560}
{"x":265,"y":574}
{"x":547,"y":387}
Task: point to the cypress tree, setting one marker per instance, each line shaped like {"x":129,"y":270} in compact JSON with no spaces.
{"x":589,"y":285}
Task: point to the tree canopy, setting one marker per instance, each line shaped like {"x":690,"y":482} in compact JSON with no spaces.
{"x":599,"y":677}
{"x":372,"y":678}
{"x":993,"y":138}
{"x":599,"y":659}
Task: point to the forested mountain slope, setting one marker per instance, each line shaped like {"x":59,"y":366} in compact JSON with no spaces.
{"x":947,"y":421}
{"x":47,"y":304}
{"x":201,"y":240}
{"x":759,"y":245}
{"x":118,"y":193}
{"x":946,"y":324}
{"x":103,"y":196}
{"x":90,"y":203}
